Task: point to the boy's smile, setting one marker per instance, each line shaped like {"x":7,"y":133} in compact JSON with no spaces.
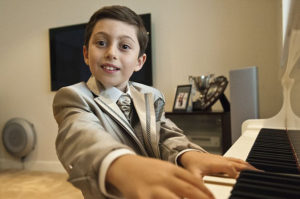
{"x":110,"y":68}
{"x":113,"y":52}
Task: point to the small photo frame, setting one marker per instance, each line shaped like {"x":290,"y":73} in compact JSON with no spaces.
{"x":182,"y":98}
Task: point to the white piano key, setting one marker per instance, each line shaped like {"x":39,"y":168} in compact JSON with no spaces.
{"x":222,"y":186}
{"x":220,"y":191}
{"x":242,"y":146}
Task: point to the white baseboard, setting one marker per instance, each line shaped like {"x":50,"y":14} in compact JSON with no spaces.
{"x":52,"y":166}
{"x":10,"y":164}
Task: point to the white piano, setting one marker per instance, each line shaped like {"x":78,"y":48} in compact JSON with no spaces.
{"x":285,"y":121}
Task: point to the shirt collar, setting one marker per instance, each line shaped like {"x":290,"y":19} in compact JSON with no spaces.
{"x":113,"y":93}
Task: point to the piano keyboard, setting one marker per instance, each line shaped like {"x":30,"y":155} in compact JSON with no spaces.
{"x":274,"y":153}
{"x":266,"y":185}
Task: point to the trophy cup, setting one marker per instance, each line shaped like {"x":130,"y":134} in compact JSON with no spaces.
{"x":210,"y":89}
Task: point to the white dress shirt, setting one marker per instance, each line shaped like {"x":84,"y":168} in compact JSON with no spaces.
{"x":114,"y":94}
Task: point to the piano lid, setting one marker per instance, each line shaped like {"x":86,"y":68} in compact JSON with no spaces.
{"x":289,"y":115}
{"x":290,"y":62}
{"x":288,"y":118}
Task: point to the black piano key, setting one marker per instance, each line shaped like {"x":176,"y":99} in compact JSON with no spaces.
{"x":272,"y":157}
{"x":272,"y":161}
{"x":264,"y":191}
{"x":285,"y":147}
{"x":272,"y":151}
{"x":278,"y":131}
{"x":294,"y":136}
{"x":275,"y":168}
{"x":272,"y":139}
{"x":269,"y":176}
{"x":254,"y":184}
{"x":277,"y":152}
{"x":279,"y":156}
{"x":236,"y":194}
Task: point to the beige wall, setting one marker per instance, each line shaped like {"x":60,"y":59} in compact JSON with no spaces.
{"x":190,"y":37}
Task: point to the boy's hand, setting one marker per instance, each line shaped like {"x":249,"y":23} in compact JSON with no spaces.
{"x":201,"y":164}
{"x":147,"y":178}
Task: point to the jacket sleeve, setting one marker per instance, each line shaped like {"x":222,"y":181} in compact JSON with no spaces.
{"x":82,"y":142}
{"x":172,"y":139}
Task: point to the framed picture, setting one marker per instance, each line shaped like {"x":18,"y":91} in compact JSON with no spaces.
{"x":182,"y":98}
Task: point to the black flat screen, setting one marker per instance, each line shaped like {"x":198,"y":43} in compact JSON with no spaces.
{"x":66,"y":57}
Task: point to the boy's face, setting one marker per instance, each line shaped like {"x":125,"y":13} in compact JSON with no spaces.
{"x":113,"y":53}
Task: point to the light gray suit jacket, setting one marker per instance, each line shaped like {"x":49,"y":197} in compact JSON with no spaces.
{"x":91,"y":126}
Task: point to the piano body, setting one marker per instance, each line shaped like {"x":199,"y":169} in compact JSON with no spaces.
{"x":286,"y":122}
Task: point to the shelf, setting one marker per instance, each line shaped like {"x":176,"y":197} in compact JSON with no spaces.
{"x":210,"y":130}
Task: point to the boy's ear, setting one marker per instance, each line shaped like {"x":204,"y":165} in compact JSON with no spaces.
{"x":85,"y":55}
{"x":141,"y":61}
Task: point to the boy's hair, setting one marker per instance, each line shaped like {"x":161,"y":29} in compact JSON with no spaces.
{"x":120,"y":13}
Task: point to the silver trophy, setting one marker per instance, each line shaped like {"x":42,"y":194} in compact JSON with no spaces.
{"x":209,"y":88}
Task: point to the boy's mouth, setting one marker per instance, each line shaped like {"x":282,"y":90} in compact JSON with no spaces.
{"x":110,"y":67}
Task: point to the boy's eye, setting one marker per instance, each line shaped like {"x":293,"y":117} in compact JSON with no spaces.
{"x":101,"y":43}
{"x":125,"y":46}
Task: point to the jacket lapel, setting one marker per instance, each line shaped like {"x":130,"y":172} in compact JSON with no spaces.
{"x":113,"y":111}
{"x":144,"y":106}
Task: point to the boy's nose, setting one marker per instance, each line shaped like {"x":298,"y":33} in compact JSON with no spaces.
{"x":111,"y":52}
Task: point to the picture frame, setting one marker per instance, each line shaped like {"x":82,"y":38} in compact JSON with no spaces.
{"x":182,"y":98}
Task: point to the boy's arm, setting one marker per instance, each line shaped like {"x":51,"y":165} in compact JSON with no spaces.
{"x":201,"y":164}
{"x":82,"y":142}
{"x":175,"y":147}
{"x":173,"y":142}
{"x":141,"y":177}
{"x":106,"y":189}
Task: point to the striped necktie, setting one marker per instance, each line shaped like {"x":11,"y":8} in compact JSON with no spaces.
{"x":124,"y":104}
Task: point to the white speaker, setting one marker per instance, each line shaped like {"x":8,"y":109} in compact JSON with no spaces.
{"x":243,"y":98}
{"x":19,"y":137}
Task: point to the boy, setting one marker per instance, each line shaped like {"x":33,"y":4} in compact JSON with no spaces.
{"x":109,"y":153}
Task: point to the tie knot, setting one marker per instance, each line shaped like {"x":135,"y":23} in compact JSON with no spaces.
{"x":124,"y":103}
{"x":124,"y":100}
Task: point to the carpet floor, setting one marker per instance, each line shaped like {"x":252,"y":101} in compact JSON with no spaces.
{"x":22,"y":184}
